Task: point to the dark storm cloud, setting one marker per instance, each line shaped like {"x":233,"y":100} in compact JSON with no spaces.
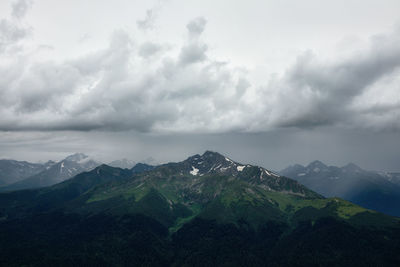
{"x":114,"y":89}
{"x":330,"y":89}
{"x":149,"y":87}
{"x":329,"y":93}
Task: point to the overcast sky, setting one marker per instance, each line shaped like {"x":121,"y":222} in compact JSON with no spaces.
{"x":265,"y":82}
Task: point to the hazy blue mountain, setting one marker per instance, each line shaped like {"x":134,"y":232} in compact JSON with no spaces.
{"x":122,"y":163}
{"x":369,"y":189}
{"x":393,"y":177}
{"x":12,"y":171}
{"x":55,"y":173}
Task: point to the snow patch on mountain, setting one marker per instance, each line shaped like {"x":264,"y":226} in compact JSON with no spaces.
{"x":62,"y":167}
{"x":194,"y":171}
{"x":240,"y":168}
{"x":229,"y":160}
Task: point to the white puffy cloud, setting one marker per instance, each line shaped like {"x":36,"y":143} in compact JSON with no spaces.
{"x":145,"y":86}
{"x":20,"y":8}
{"x":196,"y":27}
{"x":148,"y":22}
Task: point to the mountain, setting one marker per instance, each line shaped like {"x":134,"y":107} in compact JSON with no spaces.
{"x":12,"y":171}
{"x":393,"y":177}
{"x":207,"y":210}
{"x":369,"y":189}
{"x":142,"y":167}
{"x":55,"y":173}
{"x":122,"y":163}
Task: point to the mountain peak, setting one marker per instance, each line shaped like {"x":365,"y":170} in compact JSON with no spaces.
{"x":142,"y":167}
{"x":209,"y":158}
{"x":351,"y":167}
{"x":293,"y":170}
{"x":76,"y":157}
{"x":317,"y":164}
{"x":209,"y":154}
{"x":103,"y":168}
{"x":122,"y":163}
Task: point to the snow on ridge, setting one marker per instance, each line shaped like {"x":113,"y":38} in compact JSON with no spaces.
{"x":274,"y":174}
{"x":62,"y":166}
{"x":194,"y":171}
{"x":228,"y":160}
{"x":219,"y":165}
{"x":261,"y":175}
{"x":269,"y":173}
{"x":240,"y":168}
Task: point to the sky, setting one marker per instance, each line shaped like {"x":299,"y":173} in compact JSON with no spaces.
{"x":271,"y":83}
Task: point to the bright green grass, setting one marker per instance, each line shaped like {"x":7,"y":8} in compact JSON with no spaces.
{"x":344,"y":209}
{"x":347,"y":209}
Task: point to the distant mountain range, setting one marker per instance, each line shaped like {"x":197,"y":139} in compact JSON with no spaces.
{"x":207,"y":210}
{"x":54,"y":172}
{"x":393,"y":177}
{"x":12,"y":171}
{"x":18,"y":175}
{"x":122,"y":163}
{"x":373,"y":190}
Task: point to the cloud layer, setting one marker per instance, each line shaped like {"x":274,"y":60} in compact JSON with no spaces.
{"x":148,"y":86}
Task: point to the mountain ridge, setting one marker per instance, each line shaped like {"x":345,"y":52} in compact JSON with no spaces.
{"x":204,"y":210}
{"x":369,"y":189}
{"x":55,"y":173}
{"x":12,"y":171}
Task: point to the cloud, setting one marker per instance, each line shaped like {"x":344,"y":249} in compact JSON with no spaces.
{"x":11,"y":34}
{"x":20,"y":8}
{"x":147,"y":86}
{"x":194,"y":50}
{"x":196,"y":26}
{"x":148,"y":22}
{"x":13,"y":31}
{"x":324,"y":93}
{"x":149,"y":49}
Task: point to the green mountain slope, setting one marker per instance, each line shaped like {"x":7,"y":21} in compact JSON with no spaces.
{"x":206,"y":210}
